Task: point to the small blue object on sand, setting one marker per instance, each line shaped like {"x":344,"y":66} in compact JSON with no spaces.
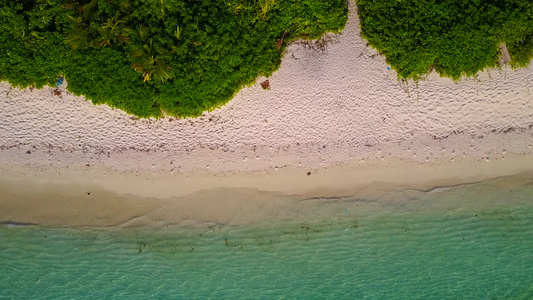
{"x":388,"y":68}
{"x":59,"y":81}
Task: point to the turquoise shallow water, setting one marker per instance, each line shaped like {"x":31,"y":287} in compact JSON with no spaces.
{"x":477,"y":252}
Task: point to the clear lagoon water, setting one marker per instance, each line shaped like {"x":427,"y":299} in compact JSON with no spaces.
{"x":470,"y":251}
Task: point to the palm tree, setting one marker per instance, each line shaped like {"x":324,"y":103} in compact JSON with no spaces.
{"x":83,"y":33}
{"x":147,"y":62}
{"x":79,"y":36}
{"x":113,"y":31}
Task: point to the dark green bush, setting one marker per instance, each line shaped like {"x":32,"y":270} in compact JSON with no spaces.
{"x":454,"y":37}
{"x":179,"y":57}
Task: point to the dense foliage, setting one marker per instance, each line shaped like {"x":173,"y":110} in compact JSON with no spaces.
{"x":454,"y":37}
{"x":151,"y":57}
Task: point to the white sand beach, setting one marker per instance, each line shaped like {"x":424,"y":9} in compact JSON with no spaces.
{"x":335,"y":123}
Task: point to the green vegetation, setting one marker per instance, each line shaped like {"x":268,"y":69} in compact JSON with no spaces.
{"x":454,"y":37}
{"x":151,"y":57}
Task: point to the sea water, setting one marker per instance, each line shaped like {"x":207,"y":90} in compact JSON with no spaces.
{"x":481,"y":247}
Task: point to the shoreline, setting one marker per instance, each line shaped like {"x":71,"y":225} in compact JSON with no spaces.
{"x":74,"y":199}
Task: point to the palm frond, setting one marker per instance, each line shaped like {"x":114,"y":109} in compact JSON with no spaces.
{"x":113,"y":31}
{"x":79,"y":38}
{"x":149,"y":64}
{"x":74,"y":20}
{"x":89,"y":9}
{"x":161,"y":71}
{"x":177,"y":33}
{"x":141,"y":32}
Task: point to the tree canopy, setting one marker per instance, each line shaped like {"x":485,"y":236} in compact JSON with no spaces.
{"x":453,"y":37}
{"x":155,"y":57}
